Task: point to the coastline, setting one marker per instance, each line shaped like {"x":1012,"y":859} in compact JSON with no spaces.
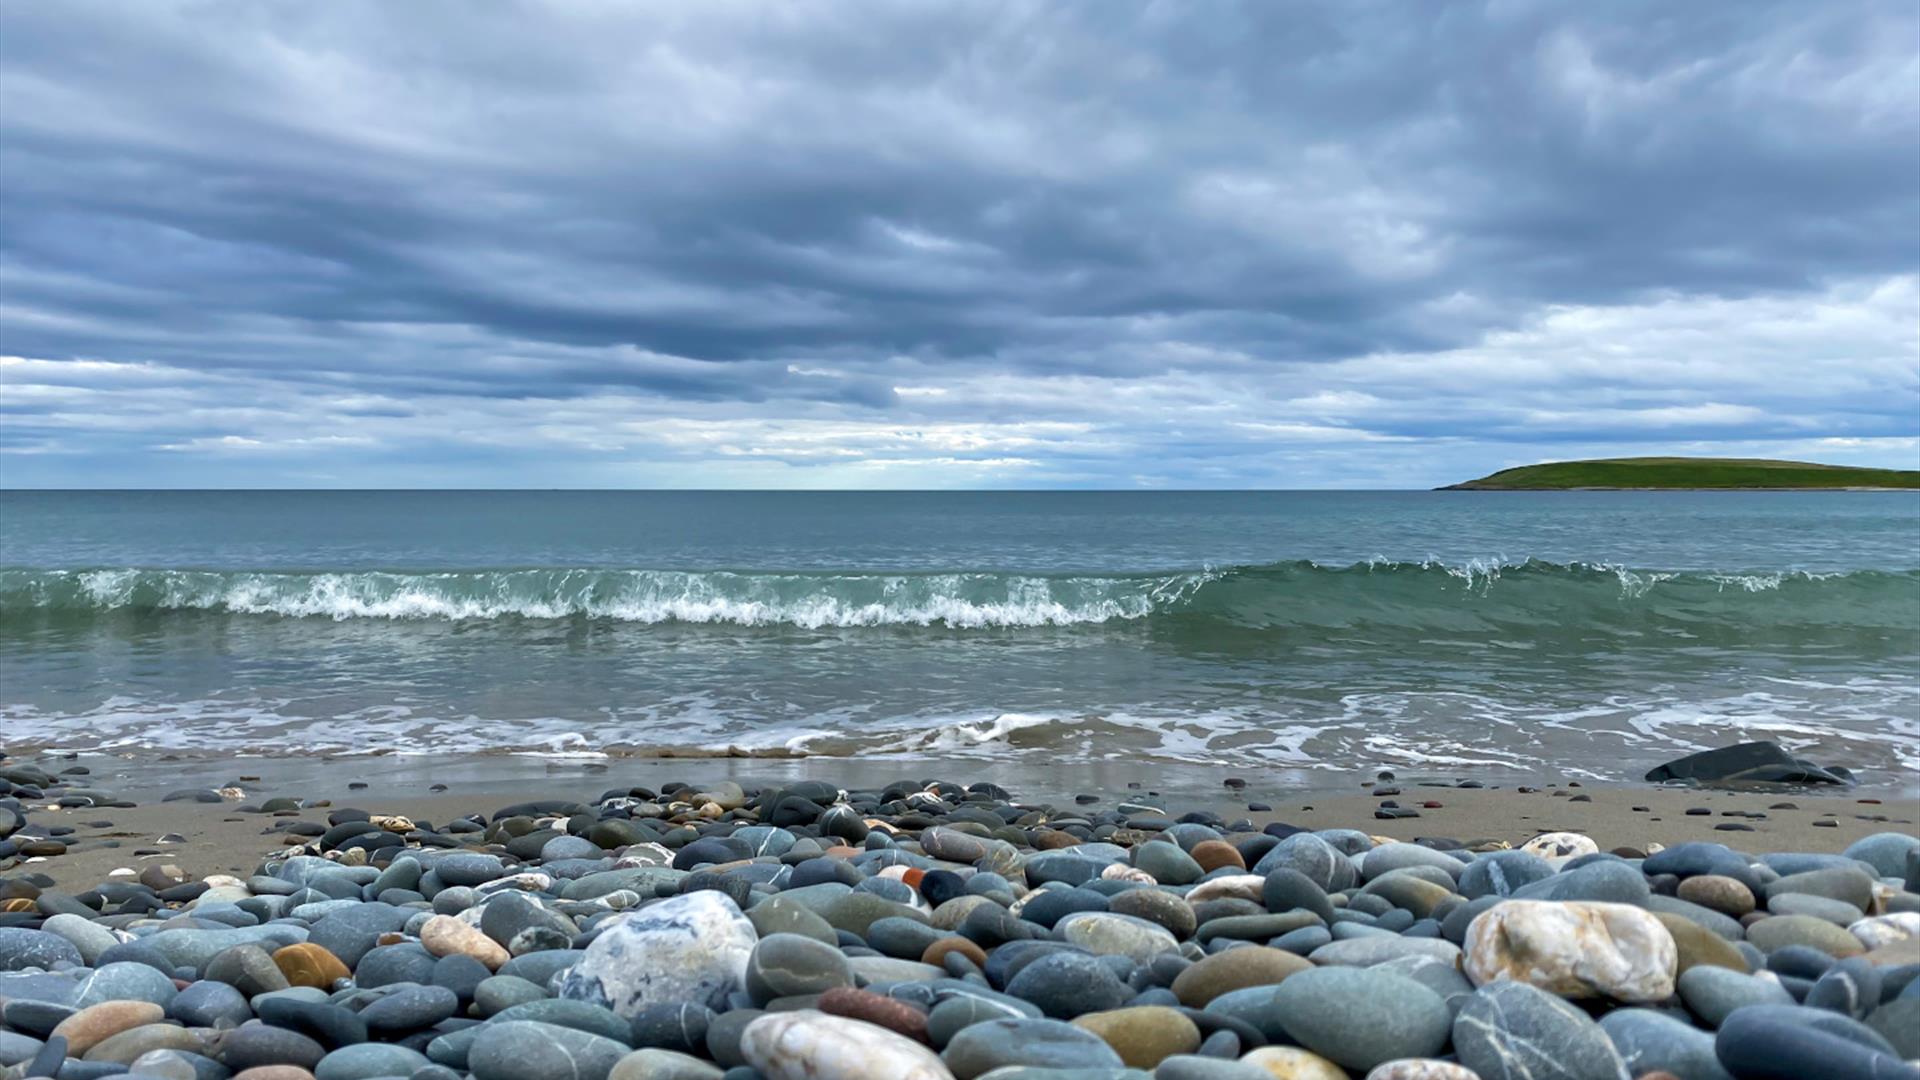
{"x":1664,"y":487}
{"x":231,"y":836}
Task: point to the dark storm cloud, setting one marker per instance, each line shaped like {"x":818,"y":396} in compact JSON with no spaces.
{"x":1155,"y":226}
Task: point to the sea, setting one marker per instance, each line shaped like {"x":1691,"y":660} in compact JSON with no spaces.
{"x":1486,"y":634}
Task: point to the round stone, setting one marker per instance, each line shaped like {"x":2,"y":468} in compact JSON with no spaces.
{"x":21,"y":948}
{"x":1217,"y":855}
{"x":445,"y":935}
{"x":1514,"y":1029}
{"x":1722,"y":894}
{"x":877,"y":1009}
{"x":1167,"y":863}
{"x":1144,"y":1035}
{"x":1292,"y":1063}
{"x":1360,"y":1017}
{"x":691,"y":948}
{"x":370,"y":1061}
{"x":788,"y":965}
{"x":530,"y":1050}
{"x":1782,"y":931}
{"x":1046,"y":1044}
{"x":1107,"y":934}
{"x":307,"y":964}
{"x":1235,"y":969}
{"x":97,"y":1023}
{"x":1695,"y":945}
{"x":808,"y":1043}
{"x":410,"y":1009}
{"x":1502,"y":873}
{"x":1574,"y":949}
{"x":1650,"y":1042}
{"x":1066,"y":984}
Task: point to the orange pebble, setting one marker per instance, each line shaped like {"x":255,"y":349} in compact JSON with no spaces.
{"x":936,"y":953}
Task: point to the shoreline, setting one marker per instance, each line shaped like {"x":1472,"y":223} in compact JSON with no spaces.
{"x":229,"y":836}
{"x":580,"y":922}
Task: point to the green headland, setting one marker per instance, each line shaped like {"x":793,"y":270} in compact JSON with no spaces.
{"x":1688,"y":473}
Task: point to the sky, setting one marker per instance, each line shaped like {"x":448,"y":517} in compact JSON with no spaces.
{"x":906,"y":245}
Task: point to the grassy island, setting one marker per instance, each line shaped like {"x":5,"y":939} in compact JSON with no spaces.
{"x":1688,"y":473}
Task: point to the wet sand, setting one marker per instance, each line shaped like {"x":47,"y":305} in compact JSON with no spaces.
{"x":222,"y":838}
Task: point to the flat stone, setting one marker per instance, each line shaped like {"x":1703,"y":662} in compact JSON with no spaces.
{"x":247,"y":968}
{"x":445,"y":935}
{"x":96,"y":1023}
{"x":530,"y":1050}
{"x":1887,"y":852}
{"x":210,"y":1004}
{"x":1712,"y":993}
{"x":1107,"y":934}
{"x":1359,"y":1017}
{"x":1313,"y":858}
{"x":1779,"y":931}
{"x":1501,"y":873}
{"x":1514,"y":1031}
{"x":307,"y":964}
{"x":123,"y":981}
{"x":1610,"y":881}
{"x":1235,"y":969}
{"x":410,"y":1009}
{"x":809,"y":1043}
{"x":990,"y":1044}
{"x":1378,"y":949}
{"x":1695,"y":945}
{"x":657,"y":1064}
{"x":1650,"y":1042}
{"x":1292,"y":1063}
{"x":1421,"y":1069}
{"x":370,"y":1061}
{"x":255,"y":1044}
{"x":1754,"y":1043}
{"x":125,"y":1046}
{"x":1848,"y":885}
{"x":1143,"y":1035}
{"x":21,"y":948}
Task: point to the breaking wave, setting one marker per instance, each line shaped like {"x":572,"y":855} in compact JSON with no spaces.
{"x":1430,"y":596}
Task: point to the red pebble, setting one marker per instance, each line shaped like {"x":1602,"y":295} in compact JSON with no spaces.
{"x":876,"y":1009}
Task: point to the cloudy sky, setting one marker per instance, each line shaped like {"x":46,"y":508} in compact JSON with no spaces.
{"x":926,"y":245}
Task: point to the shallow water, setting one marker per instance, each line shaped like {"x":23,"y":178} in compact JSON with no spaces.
{"x":1588,"y":633}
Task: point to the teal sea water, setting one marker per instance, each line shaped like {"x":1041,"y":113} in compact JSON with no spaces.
{"x":1586,"y":633}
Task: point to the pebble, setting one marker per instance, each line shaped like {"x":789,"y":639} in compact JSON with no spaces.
{"x":1293,"y":1063}
{"x":1511,"y":1029}
{"x":1361,"y":1017}
{"x":809,"y":1044}
{"x":1574,"y":949}
{"x":1143,"y":1035}
{"x":96,"y":1023}
{"x":808,"y":931}
{"x":983,"y":1047}
{"x":530,"y":1050}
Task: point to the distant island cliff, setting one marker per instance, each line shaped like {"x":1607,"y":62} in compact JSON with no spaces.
{"x":1685,"y":473}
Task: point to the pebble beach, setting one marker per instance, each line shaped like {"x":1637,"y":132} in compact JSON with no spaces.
{"x":813,"y":927}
